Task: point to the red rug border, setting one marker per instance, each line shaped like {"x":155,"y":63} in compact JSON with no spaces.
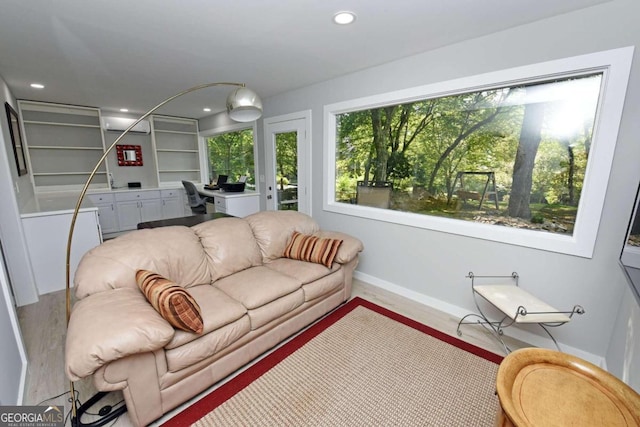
{"x":223,"y":393}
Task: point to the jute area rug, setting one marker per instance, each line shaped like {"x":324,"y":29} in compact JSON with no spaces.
{"x":362,"y":365}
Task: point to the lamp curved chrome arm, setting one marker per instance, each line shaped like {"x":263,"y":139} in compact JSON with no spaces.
{"x":243,"y":105}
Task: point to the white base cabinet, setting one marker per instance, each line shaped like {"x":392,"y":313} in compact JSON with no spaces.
{"x":138,"y":206}
{"x":237,"y":204}
{"x":47,"y":234}
{"x":172,"y":204}
{"x":123,"y":210}
{"x":107,"y":215}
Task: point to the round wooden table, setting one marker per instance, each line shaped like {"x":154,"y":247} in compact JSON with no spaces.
{"x":540,"y":387}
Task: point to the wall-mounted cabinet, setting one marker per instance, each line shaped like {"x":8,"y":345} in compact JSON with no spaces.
{"x":177,"y":149}
{"x":63,"y":144}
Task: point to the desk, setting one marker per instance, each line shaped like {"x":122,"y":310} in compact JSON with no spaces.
{"x":235,"y":204}
{"x":187,"y":221}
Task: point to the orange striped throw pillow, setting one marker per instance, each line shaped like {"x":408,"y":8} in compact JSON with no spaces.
{"x":313,"y":249}
{"x":173,"y":302}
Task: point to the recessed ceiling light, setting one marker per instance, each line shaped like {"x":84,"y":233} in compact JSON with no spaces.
{"x":206,"y":109}
{"x":344,"y":17}
{"x":37,"y":85}
{"x":124,"y":110}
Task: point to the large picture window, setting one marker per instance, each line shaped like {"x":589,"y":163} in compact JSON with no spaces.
{"x":521,"y":162}
{"x":232,"y":154}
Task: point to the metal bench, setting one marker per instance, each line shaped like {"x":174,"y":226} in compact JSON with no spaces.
{"x":518,"y":307}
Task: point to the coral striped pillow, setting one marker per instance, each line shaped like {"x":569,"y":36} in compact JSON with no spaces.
{"x":173,"y":302}
{"x":313,"y":249}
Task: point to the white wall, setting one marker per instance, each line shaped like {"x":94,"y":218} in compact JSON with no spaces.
{"x":13,"y":360}
{"x":14,"y":192}
{"x":12,"y":354}
{"x":624,"y":350}
{"x":433,"y":263}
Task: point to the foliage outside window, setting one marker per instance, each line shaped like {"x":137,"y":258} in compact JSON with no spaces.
{"x":513,"y":156}
{"x":516,"y":162}
{"x":232,"y":154}
{"x":286,"y":159}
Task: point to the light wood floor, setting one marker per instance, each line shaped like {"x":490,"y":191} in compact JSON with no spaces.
{"x":43,"y":330}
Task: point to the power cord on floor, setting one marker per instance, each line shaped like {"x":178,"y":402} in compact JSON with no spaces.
{"x":70,"y":400}
{"x":55,"y":397}
{"x":103,"y":411}
{"x":106,"y":409}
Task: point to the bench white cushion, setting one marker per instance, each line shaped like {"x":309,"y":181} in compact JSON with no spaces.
{"x":507,"y":298}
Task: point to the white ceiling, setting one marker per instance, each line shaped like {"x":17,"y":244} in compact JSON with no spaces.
{"x":135,"y":53}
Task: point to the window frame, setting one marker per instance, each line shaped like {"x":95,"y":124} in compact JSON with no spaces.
{"x":235,"y":127}
{"x":615,"y":65}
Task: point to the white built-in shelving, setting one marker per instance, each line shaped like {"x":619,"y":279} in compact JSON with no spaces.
{"x":63,"y":144}
{"x":177,"y":149}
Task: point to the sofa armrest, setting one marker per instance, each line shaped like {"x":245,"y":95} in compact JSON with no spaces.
{"x":349,"y":249}
{"x":111,"y":325}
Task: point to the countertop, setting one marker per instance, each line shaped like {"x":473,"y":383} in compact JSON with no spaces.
{"x":225,"y":194}
{"x":59,"y":203}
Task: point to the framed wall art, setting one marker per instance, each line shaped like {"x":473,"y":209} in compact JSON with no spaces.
{"x":129,"y":155}
{"x":16,"y":139}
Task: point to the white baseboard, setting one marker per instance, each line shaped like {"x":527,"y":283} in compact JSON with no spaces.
{"x":456,"y":311}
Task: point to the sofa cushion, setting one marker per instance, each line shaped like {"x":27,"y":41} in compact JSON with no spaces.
{"x":229,"y":245}
{"x":207,"y":345}
{"x":174,"y":303}
{"x":273,"y":229}
{"x":217,"y":309}
{"x":275,"y":309}
{"x":323,"y":286}
{"x":305,"y":247}
{"x":257,"y":286}
{"x":306,"y":272}
{"x":173,"y":252}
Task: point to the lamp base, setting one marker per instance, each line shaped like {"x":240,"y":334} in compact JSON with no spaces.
{"x":107,"y":413}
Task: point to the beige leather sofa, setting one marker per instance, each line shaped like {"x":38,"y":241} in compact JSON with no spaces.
{"x":251,"y":299}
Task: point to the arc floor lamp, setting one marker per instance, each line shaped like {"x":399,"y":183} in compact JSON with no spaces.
{"x":243,"y":105}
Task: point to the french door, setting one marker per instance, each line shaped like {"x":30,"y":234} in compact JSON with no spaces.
{"x":288,"y":167}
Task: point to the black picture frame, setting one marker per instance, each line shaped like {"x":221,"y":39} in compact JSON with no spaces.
{"x":16,"y":139}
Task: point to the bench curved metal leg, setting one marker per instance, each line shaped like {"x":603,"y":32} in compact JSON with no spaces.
{"x":550,"y":336}
{"x":495,"y":327}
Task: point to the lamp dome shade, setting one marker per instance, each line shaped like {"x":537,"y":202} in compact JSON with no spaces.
{"x":244,"y":105}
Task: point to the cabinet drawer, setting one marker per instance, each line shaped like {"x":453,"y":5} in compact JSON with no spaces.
{"x":137,"y":195}
{"x":171,"y":193}
{"x":97,"y":199}
{"x":220,"y":202}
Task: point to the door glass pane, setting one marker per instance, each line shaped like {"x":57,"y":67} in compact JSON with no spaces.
{"x":287,"y":170}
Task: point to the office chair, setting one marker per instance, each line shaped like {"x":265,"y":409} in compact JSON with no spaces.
{"x":196,"y":202}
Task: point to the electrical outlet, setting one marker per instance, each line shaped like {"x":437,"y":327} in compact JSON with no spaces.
{"x":261,"y":178}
